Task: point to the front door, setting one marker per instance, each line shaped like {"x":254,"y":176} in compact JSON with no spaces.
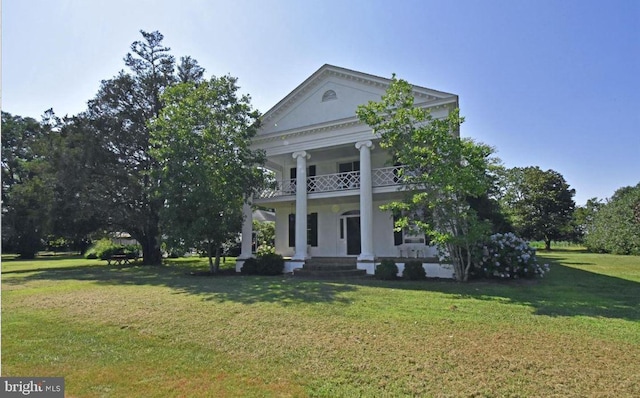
{"x":353,"y":235}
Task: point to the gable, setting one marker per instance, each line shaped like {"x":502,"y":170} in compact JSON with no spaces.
{"x":328,"y":101}
{"x":330,"y":95}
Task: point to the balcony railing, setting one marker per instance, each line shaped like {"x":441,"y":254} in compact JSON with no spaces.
{"x":386,"y":176}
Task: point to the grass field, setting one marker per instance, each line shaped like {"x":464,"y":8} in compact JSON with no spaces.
{"x":163,"y":332}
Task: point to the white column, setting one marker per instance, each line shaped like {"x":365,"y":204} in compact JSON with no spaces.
{"x":247,"y":232}
{"x":301,"y":205}
{"x":366,"y":202}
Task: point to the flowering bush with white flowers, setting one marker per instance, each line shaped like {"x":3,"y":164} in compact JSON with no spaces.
{"x":506,"y":256}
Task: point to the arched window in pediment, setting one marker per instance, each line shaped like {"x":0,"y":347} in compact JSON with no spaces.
{"x":329,"y":95}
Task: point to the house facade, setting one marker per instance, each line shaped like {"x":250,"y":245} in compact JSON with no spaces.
{"x":332,"y":176}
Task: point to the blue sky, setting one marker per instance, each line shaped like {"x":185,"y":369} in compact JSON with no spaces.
{"x":554,"y":84}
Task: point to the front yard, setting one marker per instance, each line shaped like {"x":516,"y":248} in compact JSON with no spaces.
{"x":161,"y":331}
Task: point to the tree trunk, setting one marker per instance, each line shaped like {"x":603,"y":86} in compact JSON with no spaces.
{"x":210,"y":254}
{"x":217,"y":265}
{"x":151,"y":254}
{"x":28,"y":244}
{"x":458,"y":262}
{"x":149,"y":239}
{"x":547,"y":244}
{"x":214,"y":267}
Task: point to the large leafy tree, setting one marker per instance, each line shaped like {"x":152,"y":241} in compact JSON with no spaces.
{"x":443,"y":171}
{"x":206,"y":169}
{"x":76,"y":165}
{"x":615,"y":226}
{"x":117,"y":122}
{"x":583,"y":217}
{"x":540,"y":203}
{"x":26,"y":193}
{"x":19,"y":136}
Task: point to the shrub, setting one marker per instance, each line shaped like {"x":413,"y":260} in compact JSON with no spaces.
{"x":386,"y":270}
{"x":250,"y":266}
{"x":106,"y":254}
{"x":99,"y":248}
{"x":414,"y":271}
{"x":132,"y":251}
{"x":57,"y":244}
{"x":265,"y":264}
{"x":105,"y":248}
{"x":270,"y":264}
{"x":264,"y":250}
{"x":506,"y":256}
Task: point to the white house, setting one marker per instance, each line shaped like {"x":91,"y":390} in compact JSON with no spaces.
{"x":330,"y":168}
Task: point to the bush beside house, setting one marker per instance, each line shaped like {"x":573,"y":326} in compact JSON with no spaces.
{"x":264,"y":264}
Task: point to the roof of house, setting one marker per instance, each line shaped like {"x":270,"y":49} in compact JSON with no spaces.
{"x":325,"y":70}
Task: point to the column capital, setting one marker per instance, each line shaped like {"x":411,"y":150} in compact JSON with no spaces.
{"x":303,"y":154}
{"x":364,"y":144}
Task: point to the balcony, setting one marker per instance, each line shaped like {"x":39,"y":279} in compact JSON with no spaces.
{"x":382,"y":177}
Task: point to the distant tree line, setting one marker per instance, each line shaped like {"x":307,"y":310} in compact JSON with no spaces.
{"x":539,"y":206}
{"x":612,"y":225}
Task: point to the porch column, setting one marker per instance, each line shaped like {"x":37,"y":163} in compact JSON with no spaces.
{"x":247,"y":232}
{"x":366,"y":202}
{"x":301,"y":205}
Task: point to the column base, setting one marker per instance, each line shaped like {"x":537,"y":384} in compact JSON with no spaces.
{"x":369,"y":266}
{"x":239,"y":264}
{"x":290,"y":265}
{"x":366,"y":257}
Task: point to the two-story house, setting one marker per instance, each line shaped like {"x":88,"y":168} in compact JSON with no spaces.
{"x":332,"y":176}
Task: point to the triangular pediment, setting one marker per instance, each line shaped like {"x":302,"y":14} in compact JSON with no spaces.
{"x":332,"y":95}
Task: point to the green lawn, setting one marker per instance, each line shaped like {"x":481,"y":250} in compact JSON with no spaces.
{"x":163,"y":332}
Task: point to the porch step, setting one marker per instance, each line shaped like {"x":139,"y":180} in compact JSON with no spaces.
{"x":326,"y":274}
{"x":330,"y":267}
{"x":330,"y":263}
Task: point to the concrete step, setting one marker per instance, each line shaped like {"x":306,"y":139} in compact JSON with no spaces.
{"x":332,"y":260}
{"x":328,"y":267}
{"x":329,"y":273}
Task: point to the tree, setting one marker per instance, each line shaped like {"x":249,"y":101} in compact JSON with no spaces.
{"x":583,"y":217}
{"x":615,"y":227}
{"x":442,"y":171}
{"x":19,"y":136}
{"x":76,"y":162}
{"x":487,"y":208}
{"x":540,"y":203}
{"x":117,"y":121}
{"x":189,"y":70}
{"x":207,"y":170}
{"x":26,"y":193}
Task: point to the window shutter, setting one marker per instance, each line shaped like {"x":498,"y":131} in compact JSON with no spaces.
{"x":292,"y":230}
{"x":312,"y":229}
{"x":397,"y":235}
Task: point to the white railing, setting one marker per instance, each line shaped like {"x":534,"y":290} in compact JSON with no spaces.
{"x":382,"y":177}
{"x":334,"y":182}
{"x":282,"y":188}
{"x":386,"y":176}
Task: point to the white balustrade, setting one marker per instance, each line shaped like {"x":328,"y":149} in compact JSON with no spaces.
{"x":334,"y":182}
{"x":382,"y":177}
